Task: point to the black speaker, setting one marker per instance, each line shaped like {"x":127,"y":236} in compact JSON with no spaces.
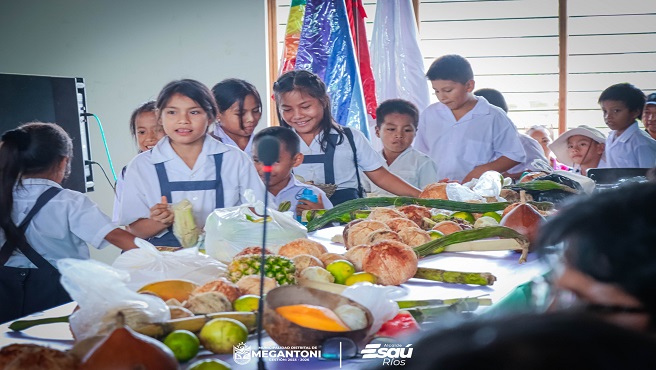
{"x":60,"y":100}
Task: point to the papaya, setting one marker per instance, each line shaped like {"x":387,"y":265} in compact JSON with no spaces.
{"x":313,"y":317}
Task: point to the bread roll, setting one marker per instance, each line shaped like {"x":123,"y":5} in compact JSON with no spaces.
{"x":221,"y":285}
{"x":434,"y":191}
{"x":356,"y":255}
{"x":447,"y":227}
{"x":392,"y":262}
{"x":414,"y":236}
{"x":303,"y":261}
{"x":383,"y":214}
{"x":32,"y":356}
{"x":382,"y":234}
{"x":302,"y":246}
{"x":416,"y":213}
{"x":327,"y":258}
{"x":358,"y":233}
{"x":399,"y":223}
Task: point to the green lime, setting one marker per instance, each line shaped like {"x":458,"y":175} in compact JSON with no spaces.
{"x":359,"y":277}
{"x":183,"y":343}
{"x":247,"y":303}
{"x":220,"y":335}
{"x":464,"y":216}
{"x":494,"y":215}
{"x":341,"y":270}
{"x":210,"y":364}
{"x":435,"y":234}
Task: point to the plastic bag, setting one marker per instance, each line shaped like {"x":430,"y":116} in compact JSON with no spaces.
{"x":378,"y":299}
{"x":229,"y":230}
{"x":101,"y":291}
{"x":461,"y":193}
{"x":147,"y":264}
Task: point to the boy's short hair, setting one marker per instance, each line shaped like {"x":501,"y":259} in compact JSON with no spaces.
{"x":285,"y":136}
{"x":451,"y":67}
{"x":627,"y":93}
{"x":400,"y":106}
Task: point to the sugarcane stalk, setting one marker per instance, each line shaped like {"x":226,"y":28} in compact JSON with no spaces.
{"x":20,"y":325}
{"x":342,"y":212}
{"x":424,"y":314}
{"x":442,"y":302}
{"x":194,"y":323}
{"x":543,"y":185}
{"x":439,"y":245}
{"x":455,"y":277}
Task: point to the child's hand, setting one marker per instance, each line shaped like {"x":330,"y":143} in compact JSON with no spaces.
{"x":306,"y":205}
{"x":161,"y":212}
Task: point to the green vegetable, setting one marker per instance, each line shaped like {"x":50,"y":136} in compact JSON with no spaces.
{"x":455,"y":277}
{"x":543,"y":185}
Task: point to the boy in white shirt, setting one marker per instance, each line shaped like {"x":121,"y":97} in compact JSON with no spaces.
{"x":396,"y":126}
{"x":283,"y":186}
{"x":463,"y":134}
{"x":627,"y":146}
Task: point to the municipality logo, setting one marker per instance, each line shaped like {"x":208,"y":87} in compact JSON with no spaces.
{"x":241,"y":353}
{"x":392,"y":354}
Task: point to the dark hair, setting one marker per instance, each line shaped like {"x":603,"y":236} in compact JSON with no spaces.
{"x":537,"y":342}
{"x":232,"y":90}
{"x":192,"y":89}
{"x":148,"y":106}
{"x":494,"y":97}
{"x":631,"y":96}
{"x":30,"y":149}
{"x":308,"y":83}
{"x":285,"y":136}
{"x":610,"y":236}
{"x":399,"y":106}
{"x":451,"y":67}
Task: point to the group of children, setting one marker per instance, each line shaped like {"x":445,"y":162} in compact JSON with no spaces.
{"x":198,"y":144}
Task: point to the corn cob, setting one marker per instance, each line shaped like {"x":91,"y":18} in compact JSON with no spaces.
{"x":439,"y":245}
{"x":195,"y":323}
{"x":543,"y":185}
{"x":346,"y":211}
{"x":455,"y":277}
{"x":184,"y":225}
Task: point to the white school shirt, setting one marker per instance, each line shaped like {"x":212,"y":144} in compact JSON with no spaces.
{"x":293,"y":191}
{"x":413,"y":166}
{"x":141,"y":188}
{"x":62,"y":228}
{"x":633,"y":149}
{"x":533,"y":151}
{"x":221,"y":134}
{"x":345,"y":171}
{"x":481,"y":136}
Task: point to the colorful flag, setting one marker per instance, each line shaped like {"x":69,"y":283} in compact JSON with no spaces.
{"x":292,"y":35}
{"x":397,"y":61}
{"x":326,"y":48}
{"x":356,"y":16}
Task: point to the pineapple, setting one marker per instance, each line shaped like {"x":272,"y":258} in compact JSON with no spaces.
{"x":280,"y":268}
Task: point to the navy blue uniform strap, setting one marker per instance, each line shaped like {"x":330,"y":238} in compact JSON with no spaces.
{"x":168,"y":187}
{"x":349,"y":137}
{"x":23,"y":245}
{"x":328,"y":159}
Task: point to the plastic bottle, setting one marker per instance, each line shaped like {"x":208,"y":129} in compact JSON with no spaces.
{"x":307,"y":195}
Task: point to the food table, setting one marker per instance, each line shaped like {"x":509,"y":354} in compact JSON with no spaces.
{"x":503,"y":264}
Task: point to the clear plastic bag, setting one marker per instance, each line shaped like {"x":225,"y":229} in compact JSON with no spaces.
{"x":147,"y":264}
{"x":229,"y":230}
{"x":378,"y":299}
{"x":101,"y":291}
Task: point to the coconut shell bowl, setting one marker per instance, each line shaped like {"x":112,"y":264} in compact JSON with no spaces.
{"x":286,"y":333}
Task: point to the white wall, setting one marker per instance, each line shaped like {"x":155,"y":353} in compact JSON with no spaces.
{"x":126,"y":51}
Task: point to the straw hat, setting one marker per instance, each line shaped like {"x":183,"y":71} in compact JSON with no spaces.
{"x":559,"y":146}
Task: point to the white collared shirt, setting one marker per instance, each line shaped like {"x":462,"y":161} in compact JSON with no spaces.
{"x":293,"y":190}
{"x":221,"y":134}
{"x":62,"y":228}
{"x":141,"y":188}
{"x":481,"y":136}
{"x":633,"y":149}
{"x":413,"y":166}
{"x":345,"y":171}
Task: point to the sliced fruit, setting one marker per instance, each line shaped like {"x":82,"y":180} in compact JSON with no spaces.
{"x":170,"y":289}
{"x":464,"y":216}
{"x":359,"y":277}
{"x":494,"y":215}
{"x":341,"y":270}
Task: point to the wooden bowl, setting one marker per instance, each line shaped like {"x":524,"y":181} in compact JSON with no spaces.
{"x":286,"y":333}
